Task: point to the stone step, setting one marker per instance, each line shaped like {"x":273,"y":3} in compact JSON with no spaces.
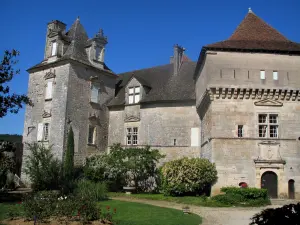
{"x":279,"y":201}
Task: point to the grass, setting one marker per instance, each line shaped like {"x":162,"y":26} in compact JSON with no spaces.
{"x":131,"y":213}
{"x":188,"y":200}
{"x":127,"y":213}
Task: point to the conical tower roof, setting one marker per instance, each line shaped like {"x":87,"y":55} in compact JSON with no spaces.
{"x":255,"y":34}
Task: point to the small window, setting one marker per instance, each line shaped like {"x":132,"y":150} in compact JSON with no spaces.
{"x":54,"y":48}
{"x":49,"y":87}
{"x":175,"y":142}
{"x":275,"y":75}
{"x":46,"y":132}
{"x":97,"y":53}
{"x":132,"y":136}
{"x":133,"y":95}
{"x":262,"y":75}
{"x":92,"y":135}
{"x":95,"y":90}
{"x":240,"y":130}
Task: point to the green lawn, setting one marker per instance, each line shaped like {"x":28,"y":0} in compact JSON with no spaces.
{"x":189,"y":200}
{"x":127,"y":213}
{"x":131,"y":213}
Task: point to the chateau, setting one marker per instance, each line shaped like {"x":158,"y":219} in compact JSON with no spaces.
{"x":238,"y":105}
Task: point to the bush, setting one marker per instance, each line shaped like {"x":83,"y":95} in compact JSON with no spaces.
{"x":288,"y":214}
{"x":247,"y":193}
{"x":42,"y":168}
{"x":90,"y":190}
{"x":186,"y":175}
{"x":131,"y":167}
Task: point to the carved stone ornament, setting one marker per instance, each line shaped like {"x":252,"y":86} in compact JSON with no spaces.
{"x":50,"y":75}
{"x":46,"y":114}
{"x":268,"y":102}
{"x":132,"y":118}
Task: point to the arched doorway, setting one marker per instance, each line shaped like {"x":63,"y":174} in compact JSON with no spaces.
{"x":291,"y":189}
{"x":269,"y":182}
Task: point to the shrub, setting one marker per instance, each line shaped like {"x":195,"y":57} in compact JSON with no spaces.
{"x":40,"y":205}
{"x":69,"y":157}
{"x":42,"y":168}
{"x":188,"y":176}
{"x":288,"y":214}
{"x":247,"y":193}
{"x":90,"y":190}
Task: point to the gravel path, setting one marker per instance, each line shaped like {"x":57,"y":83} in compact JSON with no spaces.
{"x":210,"y":215}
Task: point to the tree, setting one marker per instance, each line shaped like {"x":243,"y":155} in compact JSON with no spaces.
{"x":10,"y":102}
{"x":69,"y":156}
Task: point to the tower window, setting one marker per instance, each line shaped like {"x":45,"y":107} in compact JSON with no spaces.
{"x":53,"y":48}
{"x":262,"y":75}
{"x":92,"y":135}
{"x":46,"y":132}
{"x":95,"y":90}
{"x":275,"y":75}
{"x":240,"y":130}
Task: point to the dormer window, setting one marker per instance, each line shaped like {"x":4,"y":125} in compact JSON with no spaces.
{"x":95,"y":93}
{"x":97,"y":53}
{"x":134,"y":95}
{"x":53,"y":48}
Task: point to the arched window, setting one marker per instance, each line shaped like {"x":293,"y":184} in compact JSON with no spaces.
{"x":243,"y":185}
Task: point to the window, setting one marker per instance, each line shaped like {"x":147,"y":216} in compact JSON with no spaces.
{"x":134,"y":95}
{"x":240,"y":130}
{"x":262,"y":74}
{"x":195,"y":134}
{"x":49,"y":87}
{"x":95,"y":90}
{"x":132,"y":136}
{"x":175,"y":142}
{"x":92,"y":135}
{"x":268,"y":125}
{"x":46,"y":132}
{"x":54,"y":47}
{"x":43,"y":132}
{"x":97,"y":53}
{"x":275,"y":75}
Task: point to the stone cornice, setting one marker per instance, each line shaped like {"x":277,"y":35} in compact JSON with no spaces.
{"x":275,"y":94}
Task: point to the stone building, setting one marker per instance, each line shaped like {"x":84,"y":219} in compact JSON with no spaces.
{"x":237,"y":105}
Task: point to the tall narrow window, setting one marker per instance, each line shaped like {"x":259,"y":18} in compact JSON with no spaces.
{"x":97,"y":53}
{"x":53,"y":48}
{"x":268,"y":125}
{"x":46,"y":132}
{"x":92,"y":135}
{"x":49,"y":87}
{"x":134,"y":95}
{"x":240,"y":130}
{"x":132,"y":136}
{"x":275,"y":75}
{"x":262,"y":75}
{"x":95,"y":93}
{"x":40,"y":132}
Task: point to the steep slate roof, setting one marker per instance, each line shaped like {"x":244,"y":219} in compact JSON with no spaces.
{"x":256,"y":35}
{"x":78,"y":39}
{"x":164,"y":86}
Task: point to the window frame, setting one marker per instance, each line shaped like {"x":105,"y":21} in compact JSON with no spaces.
{"x":134,"y":94}
{"x":240,"y":131}
{"x":275,"y":77}
{"x":268,"y":125}
{"x":262,"y":74}
{"x":132,"y":135}
{"x":93,"y":135}
{"x":97,"y":87}
{"x":46,"y":127}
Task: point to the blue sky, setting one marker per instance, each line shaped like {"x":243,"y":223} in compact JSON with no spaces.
{"x":140,"y":33}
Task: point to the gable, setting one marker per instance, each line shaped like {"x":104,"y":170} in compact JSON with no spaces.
{"x":268,"y":102}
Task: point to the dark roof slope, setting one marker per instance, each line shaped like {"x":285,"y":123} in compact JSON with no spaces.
{"x":255,"y":34}
{"x":164,"y":86}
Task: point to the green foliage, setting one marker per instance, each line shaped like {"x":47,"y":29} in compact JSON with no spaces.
{"x":90,"y":190}
{"x":42,"y":168}
{"x":9,"y":102}
{"x":13,"y":138}
{"x":69,"y":157}
{"x":7,"y":164}
{"x":288,"y":214}
{"x":188,"y":176}
{"x":247,"y":193}
{"x":40,"y":205}
{"x":130,"y":167}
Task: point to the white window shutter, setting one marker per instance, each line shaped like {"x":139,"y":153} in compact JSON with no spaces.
{"x":94,"y":94}
{"x":49,"y":90}
{"x":195,"y":137}
{"x":40,"y":129}
{"x":54,"y":47}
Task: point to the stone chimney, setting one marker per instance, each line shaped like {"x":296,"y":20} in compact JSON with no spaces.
{"x":177,"y":58}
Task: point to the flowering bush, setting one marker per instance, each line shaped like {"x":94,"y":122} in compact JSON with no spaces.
{"x":188,"y":176}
